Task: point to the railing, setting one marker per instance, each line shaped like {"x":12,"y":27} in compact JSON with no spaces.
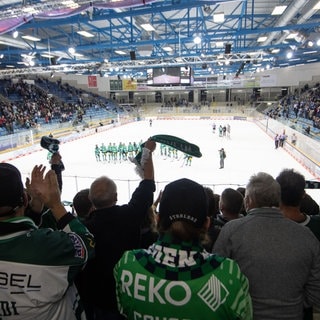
{"x":306,"y":151}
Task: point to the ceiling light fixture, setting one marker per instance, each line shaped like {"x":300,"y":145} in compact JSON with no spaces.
{"x":218,"y":17}
{"x":310,"y":52}
{"x":85,"y":34}
{"x":292,"y":35}
{"x":167,"y":48}
{"x":317,"y":6}
{"x":310,"y":43}
{"x":219,"y":44}
{"x":76,"y":54}
{"x":262,"y":39}
{"x":72,"y":50}
{"x":31,"y":38}
{"x":47,"y":55}
{"x":197,"y":40}
{"x":119,"y":52}
{"x":278,"y":10}
{"x":147,"y":27}
{"x":289,"y":55}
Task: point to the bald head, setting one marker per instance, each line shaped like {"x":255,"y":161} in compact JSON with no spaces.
{"x":103,"y":193}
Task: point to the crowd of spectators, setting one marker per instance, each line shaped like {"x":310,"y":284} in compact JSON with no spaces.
{"x":248,"y":234}
{"x":26,"y":105}
{"x":301,"y":106}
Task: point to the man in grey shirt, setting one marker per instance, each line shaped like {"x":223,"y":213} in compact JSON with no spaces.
{"x":280,"y":258}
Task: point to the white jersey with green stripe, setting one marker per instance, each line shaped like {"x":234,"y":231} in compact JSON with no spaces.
{"x":37,"y":269}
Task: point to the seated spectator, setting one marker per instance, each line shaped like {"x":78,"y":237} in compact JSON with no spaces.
{"x":280,"y":258}
{"x":176,"y":278}
{"x":38,"y":266}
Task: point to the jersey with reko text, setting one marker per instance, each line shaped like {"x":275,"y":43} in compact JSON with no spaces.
{"x":164,"y":283}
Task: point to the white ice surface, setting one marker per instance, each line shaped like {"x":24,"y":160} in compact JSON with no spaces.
{"x":249,"y":150}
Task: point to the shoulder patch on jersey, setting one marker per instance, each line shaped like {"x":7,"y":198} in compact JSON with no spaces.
{"x":78,"y":246}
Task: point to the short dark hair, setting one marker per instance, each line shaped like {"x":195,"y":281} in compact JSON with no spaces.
{"x":292,"y":185}
{"x":232,"y":200}
{"x":82,"y":203}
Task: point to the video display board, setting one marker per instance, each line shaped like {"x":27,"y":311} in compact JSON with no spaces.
{"x":164,"y":76}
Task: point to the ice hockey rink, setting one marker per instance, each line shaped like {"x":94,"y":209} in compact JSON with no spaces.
{"x":249,"y":150}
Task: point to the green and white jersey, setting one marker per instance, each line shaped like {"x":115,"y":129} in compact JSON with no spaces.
{"x":37,"y":269}
{"x":180,"y":282}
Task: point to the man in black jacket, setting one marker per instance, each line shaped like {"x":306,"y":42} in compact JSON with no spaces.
{"x":116,"y":229}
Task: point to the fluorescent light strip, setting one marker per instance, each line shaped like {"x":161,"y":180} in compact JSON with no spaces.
{"x":317,"y":6}
{"x":292,"y":36}
{"x":85,"y":34}
{"x":31,"y":38}
{"x":45,"y":55}
{"x":309,"y":52}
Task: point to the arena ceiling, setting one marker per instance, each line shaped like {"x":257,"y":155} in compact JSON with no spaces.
{"x":110,"y":37}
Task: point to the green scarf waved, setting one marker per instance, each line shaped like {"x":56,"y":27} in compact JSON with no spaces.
{"x":171,"y":141}
{"x":178,"y":144}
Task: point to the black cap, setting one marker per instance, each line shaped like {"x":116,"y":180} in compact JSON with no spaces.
{"x":183,"y":200}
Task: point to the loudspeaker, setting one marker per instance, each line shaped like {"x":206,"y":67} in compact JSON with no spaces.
{"x":53,"y":61}
{"x":131,"y":96}
{"x":227,"y":48}
{"x":133,"y":55}
{"x":203,"y":95}
{"x":190,"y":96}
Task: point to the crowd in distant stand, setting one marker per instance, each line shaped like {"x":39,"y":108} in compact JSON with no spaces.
{"x":302,"y":104}
{"x":37,"y":106}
